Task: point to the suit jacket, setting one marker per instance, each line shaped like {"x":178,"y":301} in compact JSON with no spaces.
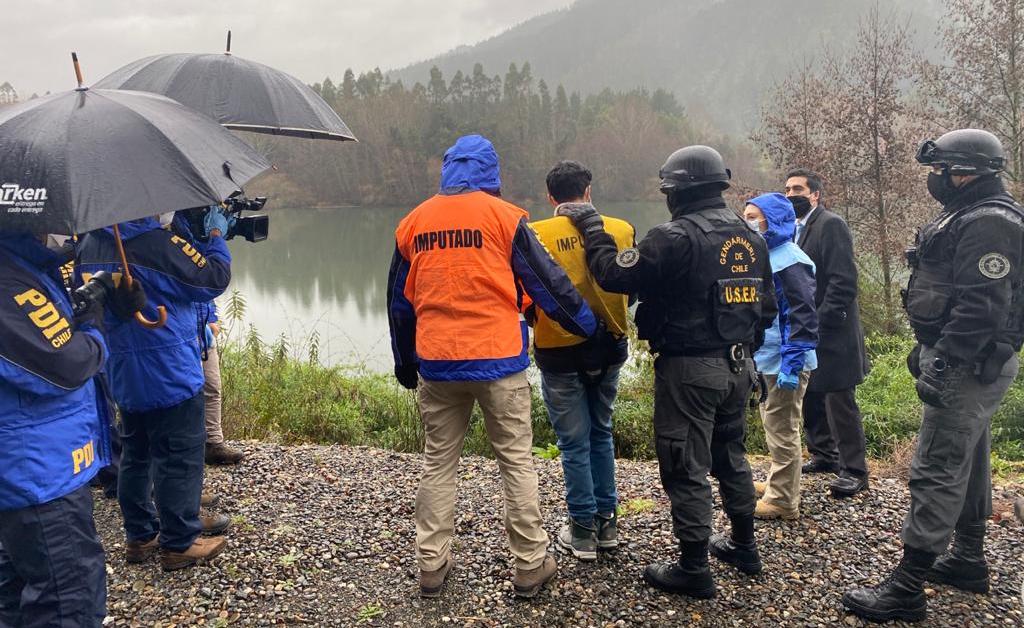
{"x":842,"y":359}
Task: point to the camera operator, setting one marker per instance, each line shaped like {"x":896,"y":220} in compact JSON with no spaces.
{"x":54,"y":438}
{"x":157,"y":379}
{"x":218,"y":452}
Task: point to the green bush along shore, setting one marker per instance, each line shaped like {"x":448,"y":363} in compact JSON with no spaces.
{"x":274,"y":391}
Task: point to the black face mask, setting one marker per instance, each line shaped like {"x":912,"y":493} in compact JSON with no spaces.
{"x":801,"y":204}
{"x":941,"y":187}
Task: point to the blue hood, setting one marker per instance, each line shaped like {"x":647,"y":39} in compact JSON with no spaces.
{"x":135,"y":228}
{"x":778,"y":211}
{"x":471,"y":164}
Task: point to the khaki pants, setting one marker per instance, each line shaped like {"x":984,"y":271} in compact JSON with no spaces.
{"x":782,"y":416}
{"x":211,"y":395}
{"x":445,"y":409}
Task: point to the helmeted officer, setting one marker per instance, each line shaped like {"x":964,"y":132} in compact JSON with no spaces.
{"x":706,"y":297}
{"x":964,"y":302}
{"x":54,"y":438}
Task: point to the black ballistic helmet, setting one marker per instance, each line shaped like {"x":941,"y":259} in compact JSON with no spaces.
{"x":964,"y":152}
{"x":692,"y":166}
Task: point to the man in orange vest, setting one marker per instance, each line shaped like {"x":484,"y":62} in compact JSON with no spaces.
{"x":579,"y":377}
{"x":463,"y":259}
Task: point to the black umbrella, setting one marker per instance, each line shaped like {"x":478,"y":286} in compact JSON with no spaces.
{"x":84,"y":159}
{"x":240,"y":94}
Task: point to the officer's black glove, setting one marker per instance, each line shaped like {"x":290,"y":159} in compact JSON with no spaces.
{"x":914,"y":361}
{"x":940,"y":380}
{"x":126,"y":301}
{"x":408,"y":375}
{"x":584,"y":216}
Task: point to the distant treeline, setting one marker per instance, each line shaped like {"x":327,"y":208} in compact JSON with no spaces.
{"x":623,"y":137}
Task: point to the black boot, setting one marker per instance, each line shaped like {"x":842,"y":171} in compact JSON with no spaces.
{"x":963,"y":566}
{"x":690,"y":575}
{"x":900,"y":596}
{"x":739,"y":549}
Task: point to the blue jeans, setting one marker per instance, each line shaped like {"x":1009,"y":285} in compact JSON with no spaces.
{"x":51,"y":564}
{"x":581,"y":415}
{"x":162,"y":457}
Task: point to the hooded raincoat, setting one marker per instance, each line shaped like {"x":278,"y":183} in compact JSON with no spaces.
{"x":463,"y":260}
{"x":789,"y":343}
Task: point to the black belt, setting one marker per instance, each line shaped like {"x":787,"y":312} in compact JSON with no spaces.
{"x":732,"y":352}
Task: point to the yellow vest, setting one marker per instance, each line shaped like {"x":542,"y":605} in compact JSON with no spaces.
{"x":564,"y":243}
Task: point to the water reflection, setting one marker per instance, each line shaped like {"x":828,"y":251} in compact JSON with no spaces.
{"x":326,"y":270}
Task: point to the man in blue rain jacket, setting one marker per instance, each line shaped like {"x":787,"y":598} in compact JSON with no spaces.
{"x":157,"y":377}
{"x":54,"y":438}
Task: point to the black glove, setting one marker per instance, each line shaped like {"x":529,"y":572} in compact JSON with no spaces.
{"x":914,"y":361}
{"x":126,"y":301}
{"x":584,"y":216}
{"x":940,"y":380}
{"x":408,"y":375}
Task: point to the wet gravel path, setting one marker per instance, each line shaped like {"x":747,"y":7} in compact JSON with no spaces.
{"x":324,"y":536}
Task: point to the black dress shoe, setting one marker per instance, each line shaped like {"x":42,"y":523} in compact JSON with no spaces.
{"x":820,"y":466}
{"x":848,"y":485}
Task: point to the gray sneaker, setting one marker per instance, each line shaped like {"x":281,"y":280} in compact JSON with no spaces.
{"x":579,"y":540}
{"x":607,"y":531}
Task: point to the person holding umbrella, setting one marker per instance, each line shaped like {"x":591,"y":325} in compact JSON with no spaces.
{"x":157,"y":380}
{"x":54,"y":439}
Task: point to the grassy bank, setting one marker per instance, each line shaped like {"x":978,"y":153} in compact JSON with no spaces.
{"x":274,"y":391}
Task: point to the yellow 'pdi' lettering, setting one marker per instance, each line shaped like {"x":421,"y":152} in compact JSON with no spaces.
{"x":83,"y":455}
{"x":190,"y":251}
{"x":45,"y":316}
{"x":741,"y":259}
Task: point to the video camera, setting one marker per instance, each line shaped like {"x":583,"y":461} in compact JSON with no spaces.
{"x":98,"y":289}
{"x":252,"y":228}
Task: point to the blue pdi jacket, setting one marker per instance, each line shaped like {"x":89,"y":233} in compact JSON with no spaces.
{"x":54,"y":416}
{"x":155,"y":369}
{"x":471,"y":166}
{"x":206,"y":311}
{"x":789,"y":343}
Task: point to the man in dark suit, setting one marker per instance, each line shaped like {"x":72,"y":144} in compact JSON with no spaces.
{"x":832,"y":420}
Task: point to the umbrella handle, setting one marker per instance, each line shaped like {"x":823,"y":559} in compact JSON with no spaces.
{"x":161,"y":318}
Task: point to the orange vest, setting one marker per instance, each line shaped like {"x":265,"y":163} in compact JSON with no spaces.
{"x":460,"y":281}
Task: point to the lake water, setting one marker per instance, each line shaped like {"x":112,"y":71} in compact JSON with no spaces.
{"x":325,"y":271}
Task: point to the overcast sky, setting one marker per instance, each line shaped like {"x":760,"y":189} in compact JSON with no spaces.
{"x":308,"y":38}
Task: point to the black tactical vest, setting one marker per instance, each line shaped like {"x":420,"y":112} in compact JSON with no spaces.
{"x":930,"y":293}
{"x":716,"y":302}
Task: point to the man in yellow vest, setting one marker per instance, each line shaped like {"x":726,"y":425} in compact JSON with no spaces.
{"x":580,"y":377}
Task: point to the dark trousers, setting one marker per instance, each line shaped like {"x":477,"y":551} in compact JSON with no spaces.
{"x":162,"y":457}
{"x":950,"y":475}
{"x":52,"y":565}
{"x":835,"y":430}
{"x":699,"y":426}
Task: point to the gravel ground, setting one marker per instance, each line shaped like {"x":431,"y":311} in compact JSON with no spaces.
{"x":324,"y":536}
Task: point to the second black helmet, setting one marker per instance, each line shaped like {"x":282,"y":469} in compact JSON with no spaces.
{"x":692,"y":166}
{"x":964,"y":152}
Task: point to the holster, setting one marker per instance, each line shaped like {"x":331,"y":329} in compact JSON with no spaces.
{"x":993,"y":364}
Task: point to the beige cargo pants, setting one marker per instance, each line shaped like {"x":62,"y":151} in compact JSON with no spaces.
{"x":445,"y":409}
{"x":782,"y":417}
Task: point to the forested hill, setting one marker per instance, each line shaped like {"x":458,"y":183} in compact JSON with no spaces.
{"x":717,"y":56}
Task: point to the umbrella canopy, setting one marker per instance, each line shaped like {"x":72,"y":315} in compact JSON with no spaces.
{"x":89,"y":158}
{"x":240,"y":94}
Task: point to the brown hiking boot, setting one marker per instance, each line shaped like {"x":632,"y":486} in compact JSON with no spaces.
{"x":208,"y":500}
{"x":760,"y":488}
{"x":527,"y":582}
{"x":432,"y":582}
{"x":202,"y":550}
{"x":214,"y":524}
{"x":764,"y":510}
{"x":141,"y":551}
{"x":220,"y":453}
